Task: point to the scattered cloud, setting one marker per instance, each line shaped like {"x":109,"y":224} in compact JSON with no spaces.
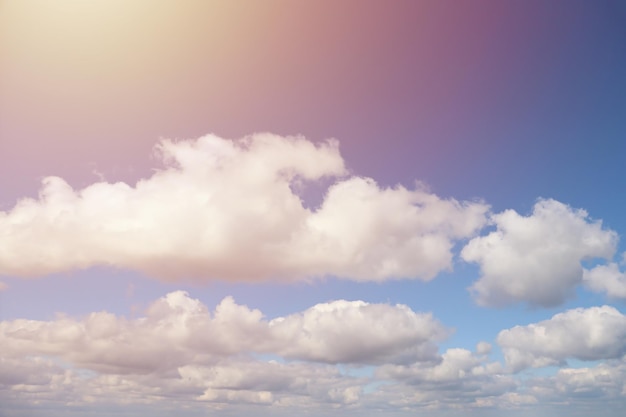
{"x":230,"y":209}
{"x":598,"y":381}
{"x":589,"y":334}
{"x":455,"y":365}
{"x":461,"y":377}
{"x":230,"y":382}
{"x":342,"y":355}
{"x":201,"y":217}
{"x":584,"y":388}
{"x":3,"y":286}
{"x":536,"y":259}
{"x":179,"y":352}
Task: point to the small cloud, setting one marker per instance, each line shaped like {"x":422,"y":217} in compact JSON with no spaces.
{"x":537,"y":258}
{"x":483,"y":348}
{"x":608,"y":279}
{"x":98,"y":174}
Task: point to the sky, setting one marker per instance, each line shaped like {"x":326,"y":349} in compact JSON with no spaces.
{"x":277,"y":208}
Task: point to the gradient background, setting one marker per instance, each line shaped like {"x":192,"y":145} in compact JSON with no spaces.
{"x":503,"y":101}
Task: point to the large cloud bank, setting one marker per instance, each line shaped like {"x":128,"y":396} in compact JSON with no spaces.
{"x":222,"y":209}
{"x":178,"y":329}
{"x":179,"y":350}
{"x":235,"y":210}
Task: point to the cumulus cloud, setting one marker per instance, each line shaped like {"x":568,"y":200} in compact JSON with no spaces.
{"x":178,"y":330}
{"x":607,"y":279}
{"x":230,"y":209}
{"x":356,"y":331}
{"x":3,"y":286}
{"x":586,"y":334}
{"x":536,"y":259}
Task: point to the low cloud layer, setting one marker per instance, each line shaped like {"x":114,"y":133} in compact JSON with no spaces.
{"x":340,"y":356}
{"x":589,"y":334}
{"x":179,"y":330}
{"x":536,"y":259}
{"x":230,"y":210}
{"x":179,"y":353}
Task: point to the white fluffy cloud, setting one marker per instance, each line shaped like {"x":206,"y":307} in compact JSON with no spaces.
{"x":586,"y":334}
{"x":222,"y":209}
{"x":179,"y":330}
{"x":608,"y":279}
{"x":536,"y":259}
{"x":356,"y":331}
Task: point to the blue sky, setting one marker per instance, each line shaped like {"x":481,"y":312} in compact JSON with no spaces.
{"x":409,"y":208}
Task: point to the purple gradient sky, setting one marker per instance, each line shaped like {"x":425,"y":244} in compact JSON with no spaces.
{"x":442,"y":92}
{"x":502,"y":101}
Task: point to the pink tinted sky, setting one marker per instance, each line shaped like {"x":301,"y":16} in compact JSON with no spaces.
{"x":505,"y":101}
{"x":92,"y":86}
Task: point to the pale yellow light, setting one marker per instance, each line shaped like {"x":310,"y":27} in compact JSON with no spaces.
{"x":96,"y":39}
